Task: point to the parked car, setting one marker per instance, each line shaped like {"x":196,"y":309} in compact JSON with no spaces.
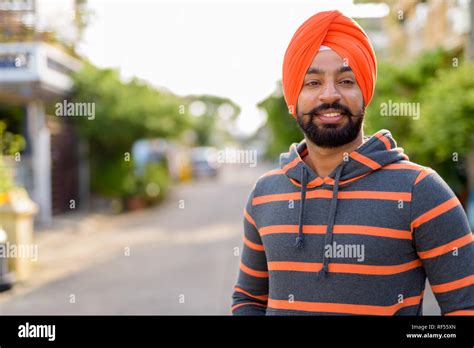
{"x":204,"y":162}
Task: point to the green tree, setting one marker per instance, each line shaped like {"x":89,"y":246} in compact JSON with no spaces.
{"x":403,"y":84}
{"x":446,"y":126}
{"x":124,"y":113}
{"x":10,"y":145}
{"x":283,"y":126}
{"x":207,"y":126}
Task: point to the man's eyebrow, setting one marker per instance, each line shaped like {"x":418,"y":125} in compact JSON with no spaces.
{"x":345,"y":69}
{"x":314,"y":71}
{"x":342,"y":69}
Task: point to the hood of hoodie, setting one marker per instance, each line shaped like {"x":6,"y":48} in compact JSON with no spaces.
{"x":376,"y":152}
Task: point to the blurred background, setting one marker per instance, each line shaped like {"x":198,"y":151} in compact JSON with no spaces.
{"x":131,"y":133}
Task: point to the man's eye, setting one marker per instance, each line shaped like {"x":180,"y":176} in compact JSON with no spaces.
{"x":312,"y":83}
{"x":347,"y":82}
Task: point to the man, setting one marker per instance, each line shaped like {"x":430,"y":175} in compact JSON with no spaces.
{"x":347,"y":224}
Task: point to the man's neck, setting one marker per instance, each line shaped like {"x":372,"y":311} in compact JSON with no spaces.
{"x":324,"y":160}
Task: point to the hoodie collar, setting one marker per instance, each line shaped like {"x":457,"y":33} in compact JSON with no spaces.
{"x":376,"y":152}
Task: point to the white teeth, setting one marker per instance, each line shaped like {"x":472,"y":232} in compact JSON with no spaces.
{"x":332,"y":114}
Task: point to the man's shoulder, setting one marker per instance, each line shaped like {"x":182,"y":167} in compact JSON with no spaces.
{"x":424,"y":180}
{"x":411,"y":171}
{"x":269,"y":178}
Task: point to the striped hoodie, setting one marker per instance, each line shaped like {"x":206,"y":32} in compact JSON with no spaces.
{"x":361,"y":241}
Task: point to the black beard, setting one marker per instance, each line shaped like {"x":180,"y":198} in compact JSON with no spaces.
{"x":331,"y":135}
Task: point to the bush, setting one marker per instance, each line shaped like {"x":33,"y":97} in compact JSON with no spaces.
{"x":6,"y":181}
{"x":446,"y":126}
{"x":284,"y":128}
{"x":119,"y":180}
{"x":113,"y":178}
{"x":153,"y":185}
{"x":11,"y":144}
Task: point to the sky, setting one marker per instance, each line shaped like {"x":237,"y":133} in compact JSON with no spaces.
{"x":227,"y":48}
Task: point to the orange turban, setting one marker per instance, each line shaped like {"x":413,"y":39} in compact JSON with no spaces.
{"x":344,"y":36}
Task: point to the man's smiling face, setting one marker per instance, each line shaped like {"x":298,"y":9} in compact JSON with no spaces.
{"x":330,"y":106}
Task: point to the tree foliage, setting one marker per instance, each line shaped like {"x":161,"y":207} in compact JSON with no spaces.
{"x":124,"y":113}
{"x":283,"y":127}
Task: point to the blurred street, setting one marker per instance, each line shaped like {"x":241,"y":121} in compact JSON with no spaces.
{"x":181,"y":261}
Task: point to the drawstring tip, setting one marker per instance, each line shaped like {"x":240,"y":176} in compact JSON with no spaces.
{"x":324,"y":271}
{"x":299,"y":242}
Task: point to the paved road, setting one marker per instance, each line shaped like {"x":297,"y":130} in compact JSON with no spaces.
{"x":181,"y":259}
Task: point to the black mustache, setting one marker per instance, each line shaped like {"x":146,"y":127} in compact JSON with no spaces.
{"x":327,"y":106}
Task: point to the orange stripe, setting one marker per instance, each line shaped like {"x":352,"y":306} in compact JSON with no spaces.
{"x":372,"y":231}
{"x":345,"y":308}
{"x":259,"y":297}
{"x":273,"y":172}
{"x":446,"y":248}
{"x":454,"y":285}
{"x":309,"y":229}
{"x":424,"y":173}
{"x":312,"y":184}
{"x":252,"y":272}
{"x":461,"y":312}
{"x":249,"y":218}
{"x":395,"y":196}
{"x":338,"y":229}
{"x":431,"y":214}
{"x":365,"y":160}
{"x":402,"y":166}
{"x":382,"y":138}
{"x":252,"y":245}
{"x":293,"y":163}
{"x":247,"y":303}
{"x":331,"y":181}
{"x":275,"y":197}
{"x":343,"y":268}
{"x":316,"y":182}
{"x":294,"y":266}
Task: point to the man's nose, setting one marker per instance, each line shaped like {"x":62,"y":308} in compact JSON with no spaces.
{"x":329,"y":93}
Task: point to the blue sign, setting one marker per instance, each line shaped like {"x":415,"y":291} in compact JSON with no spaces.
{"x":13,"y":61}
